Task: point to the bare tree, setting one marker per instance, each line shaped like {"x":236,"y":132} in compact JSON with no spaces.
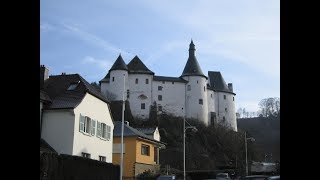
{"x":110,"y":96}
{"x":269,"y":106}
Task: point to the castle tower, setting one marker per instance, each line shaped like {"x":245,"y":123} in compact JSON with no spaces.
{"x":224,"y":100}
{"x":112,"y":83}
{"x":196,"y":88}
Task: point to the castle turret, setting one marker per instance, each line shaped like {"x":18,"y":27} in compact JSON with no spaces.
{"x":224,"y":100}
{"x":196,"y":95}
{"x":112,"y":85}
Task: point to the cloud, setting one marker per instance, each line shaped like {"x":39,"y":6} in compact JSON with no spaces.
{"x":44,"y":27}
{"x":91,"y":38}
{"x":103,"y":64}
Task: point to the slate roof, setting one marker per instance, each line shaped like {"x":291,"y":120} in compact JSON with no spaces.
{"x":192,"y":67}
{"x":171,"y":79}
{"x":56,"y":87}
{"x":217,"y":82}
{"x":136,"y":66}
{"x":119,"y":64}
{"x":148,"y":131}
{"x":129,"y":131}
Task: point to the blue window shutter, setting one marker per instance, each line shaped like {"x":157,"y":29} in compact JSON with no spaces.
{"x":108,"y":132}
{"x":93,"y":127}
{"x":81,"y":128}
{"x":98,"y":129}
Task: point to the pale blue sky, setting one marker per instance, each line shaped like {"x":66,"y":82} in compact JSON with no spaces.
{"x":239,"y":38}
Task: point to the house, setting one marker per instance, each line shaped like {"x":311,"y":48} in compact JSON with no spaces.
{"x":194,"y":95}
{"x":141,"y":152}
{"x":75,"y":118}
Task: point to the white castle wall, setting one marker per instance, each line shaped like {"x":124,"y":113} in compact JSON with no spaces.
{"x":226,"y":109}
{"x":211,"y":104}
{"x":137,"y":91}
{"x":116,"y":87}
{"x":173,"y":97}
{"x":198,"y":91}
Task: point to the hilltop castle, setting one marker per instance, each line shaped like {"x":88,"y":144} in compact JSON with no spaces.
{"x":193,"y":95}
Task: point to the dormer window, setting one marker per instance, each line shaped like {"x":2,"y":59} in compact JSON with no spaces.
{"x":73,"y":86}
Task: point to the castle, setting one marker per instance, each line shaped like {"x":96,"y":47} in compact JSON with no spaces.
{"x":193,"y":95}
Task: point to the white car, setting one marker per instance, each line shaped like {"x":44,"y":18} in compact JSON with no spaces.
{"x":222,"y":176}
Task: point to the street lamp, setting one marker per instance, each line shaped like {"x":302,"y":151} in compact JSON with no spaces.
{"x":245,"y":141}
{"x":122,"y":126}
{"x":194,"y":129}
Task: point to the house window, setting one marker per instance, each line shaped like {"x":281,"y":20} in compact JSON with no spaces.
{"x":160,"y":97}
{"x":87,"y":125}
{"x":145,"y":149}
{"x":226,"y":109}
{"x":147,"y":81}
{"x":189,"y":88}
{"x":102,"y":158}
{"x":224,"y":97}
{"x":137,"y":81}
{"x":103,"y":131}
{"x":159,"y":88}
{"x":86,"y":155}
{"x":159,"y":108}
{"x":233,"y":98}
{"x":112,"y":78}
{"x":72,"y":86}
{"x":143,"y":106}
{"x":200,"y":101}
{"x":172,"y":82}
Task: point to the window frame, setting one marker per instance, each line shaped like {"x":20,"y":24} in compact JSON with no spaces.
{"x":147,"y":81}
{"x":189,"y":87}
{"x":102,"y":158}
{"x":159,"y":97}
{"x":86,"y":155}
{"x":160,"y":88}
{"x":137,"y":81}
{"x":143,"y":105}
{"x":146,"y":148}
{"x":201,"y":101}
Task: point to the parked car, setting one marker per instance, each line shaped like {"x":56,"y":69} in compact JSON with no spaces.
{"x":273,"y":178}
{"x":254,"y":177}
{"x":166,"y":177}
{"x":222,"y":176}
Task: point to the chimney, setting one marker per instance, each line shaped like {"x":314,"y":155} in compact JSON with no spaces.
{"x":230,"y":87}
{"x":44,"y":74}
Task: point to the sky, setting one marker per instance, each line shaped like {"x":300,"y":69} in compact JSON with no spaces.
{"x":239,"y":38}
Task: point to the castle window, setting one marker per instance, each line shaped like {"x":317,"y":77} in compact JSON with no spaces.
{"x":189,"y":88}
{"x":204,"y":88}
{"x":163,"y":82}
{"x":160,"y":97}
{"x":112,"y":78}
{"x":200,"y":101}
{"x":159,"y":108}
{"x":137,"y":81}
{"x":143,"y":106}
{"x":147,"y":81}
{"x":159,"y":88}
{"x":224,"y":97}
{"x":86,"y":155}
{"x":197,"y":82}
{"x":224,"y":118}
{"x":172,"y":82}
{"x":233,"y":98}
{"x":226,"y":109}
{"x":211,"y":95}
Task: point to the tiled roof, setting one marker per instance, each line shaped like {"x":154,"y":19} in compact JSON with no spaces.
{"x":136,"y":66}
{"x":129,"y":131}
{"x":171,"y":79}
{"x":217,"y":82}
{"x":119,"y":64}
{"x":56,"y":87}
{"x":147,"y":131}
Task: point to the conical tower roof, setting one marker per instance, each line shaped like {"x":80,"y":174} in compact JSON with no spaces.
{"x":136,"y":66}
{"x":192,"y":67}
{"x":119,"y":64}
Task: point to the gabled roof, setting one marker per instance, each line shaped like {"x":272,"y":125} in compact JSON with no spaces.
{"x":57,"y":89}
{"x":217,"y":82}
{"x":136,"y":66}
{"x":147,"y":131}
{"x":119,"y":64}
{"x":129,"y":131}
{"x":192,"y":67}
{"x":171,"y":79}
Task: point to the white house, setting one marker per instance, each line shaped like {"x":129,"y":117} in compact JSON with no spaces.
{"x":78,"y":121}
{"x":193,"y":95}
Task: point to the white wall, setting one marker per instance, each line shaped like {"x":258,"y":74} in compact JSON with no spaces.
{"x":57,"y":129}
{"x":211,"y":104}
{"x":116,"y":87}
{"x":194,"y":109}
{"x":138,"y":89}
{"x":173,"y":97}
{"x":230,"y":114}
{"x":156,"y":134}
{"x":99,"y":111}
